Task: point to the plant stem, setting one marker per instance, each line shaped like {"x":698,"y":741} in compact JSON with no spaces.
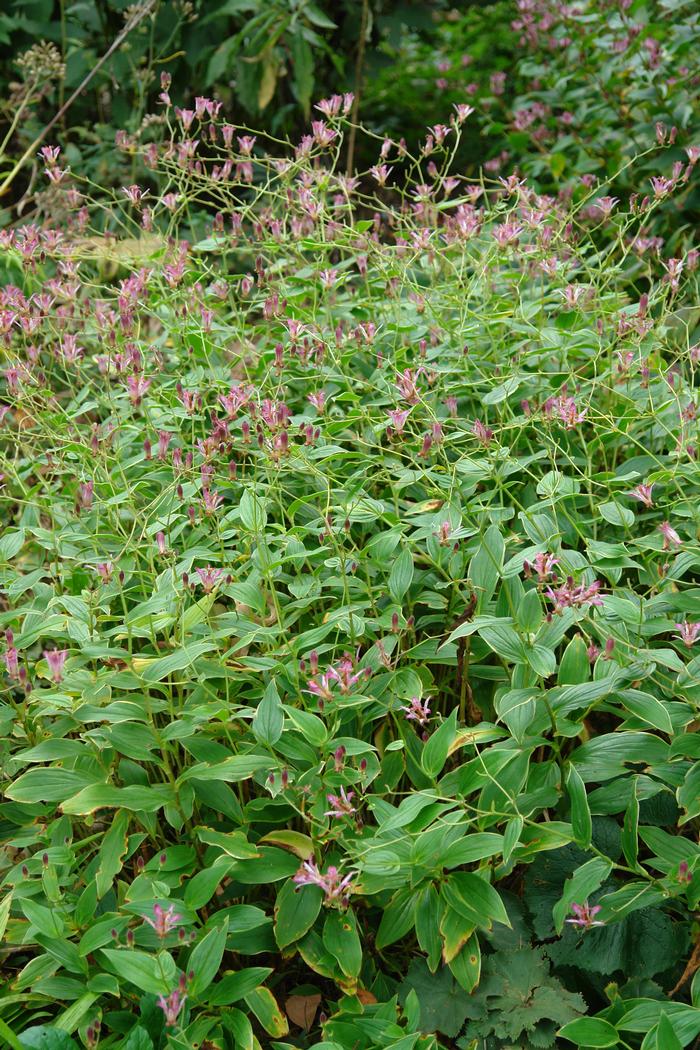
{"x":359,"y":63}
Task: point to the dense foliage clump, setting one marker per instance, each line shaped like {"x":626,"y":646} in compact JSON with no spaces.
{"x":349,"y":598}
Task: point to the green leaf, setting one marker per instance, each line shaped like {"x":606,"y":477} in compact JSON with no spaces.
{"x":252,"y":512}
{"x":205,"y":959}
{"x":666,"y":1038}
{"x":455,"y":931}
{"x":466,"y":966}
{"x":581,"y":821}
{"x":475,"y":899}
{"x":232,"y":770}
{"x":236,"y":1022}
{"x":112,"y":852}
{"x":590,"y":1032}
{"x":397,"y":919}
{"x":269,"y":717}
{"x":309,"y":725}
{"x":427,"y":921}
{"x":296,"y":910}
{"x":443,"y":1003}
{"x":158,"y":668}
{"x":147,"y":799}
{"x":233,"y":843}
{"x":542,"y":660}
{"x":474,"y":846}
{"x":688,"y":794}
{"x":13,"y":1041}
{"x":235,"y":986}
{"x":264,"y":1005}
{"x":317,"y":16}
{"x":47,"y":785}
{"x":294,"y":841}
{"x":584,"y":881}
{"x":574,"y":667}
{"x":518,"y":997}
{"x":436,"y":749}
{"x":630,"y":827}
{"x":511,"y":838}
{"x":138,"y":1039}
{"x":486,"y":565}
{"x":5,"y":906}
{"x":517,"y":708}
{"x":401,"y":575}
{"x":616,"y":514}
{"x":71,"y":1017}
{"x":11,"y":544}
{"x":203,"y":885}
{"x":529,"y":613}
{"x":643,"y":944}
{"x":149,"y":973}
{"x":40,"y":1037}
{"x":303,"y":71}
{"x":341,"y":939}
{"x":648,"y":708}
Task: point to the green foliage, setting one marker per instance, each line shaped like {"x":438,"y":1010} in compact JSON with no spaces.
{"x":348,"y":592}
{"x":519,"y":999}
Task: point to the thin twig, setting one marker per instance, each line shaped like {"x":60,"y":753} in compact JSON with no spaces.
{"x":136,"y":18}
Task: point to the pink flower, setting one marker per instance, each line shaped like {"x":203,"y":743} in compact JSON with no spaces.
{"x":481,"y":432}
{"x":684,"y":876}
{"x":56,"y":659}
{"x":406,"y":385}
{"x":212,"y":500}
{"x":318,"y":400}
{"x":134,"y":193}
{"x":336,"y":889}
{"x":574,"y":596}
{"x":86,"y":490}
{"x":343,"y":674}
{"x":163,"y":921}
{"x":605,"y":205}
{"x":569,"y":413}
{"x":417,"y":711}
{"x":585,"y":916}
{"x":661,"y":186}
{"x":50,"y":154}
{"x":105,"y":569}
{"x":440,"y":133}
{"x":443,"y":534}
{"x":341,"y":805}
{"x":462,"y":111}
{"x":507,"y":233}
{"x":688,"y":632}
{"x":11,"y":658}
{"x":164,"y":439}
{"x":380,"y":173}
{"x":398,"y":418}
{"x":209,"y":578}
{"x":137,"y":387}
{"x":643,"y":494}
{"x":323,"y":135}
{"x":543,"y":565}
{"x":671,"y":537}
{"x":172,"y":1006}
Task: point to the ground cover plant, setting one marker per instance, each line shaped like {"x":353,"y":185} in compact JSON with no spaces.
{"x":350,"y":600}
